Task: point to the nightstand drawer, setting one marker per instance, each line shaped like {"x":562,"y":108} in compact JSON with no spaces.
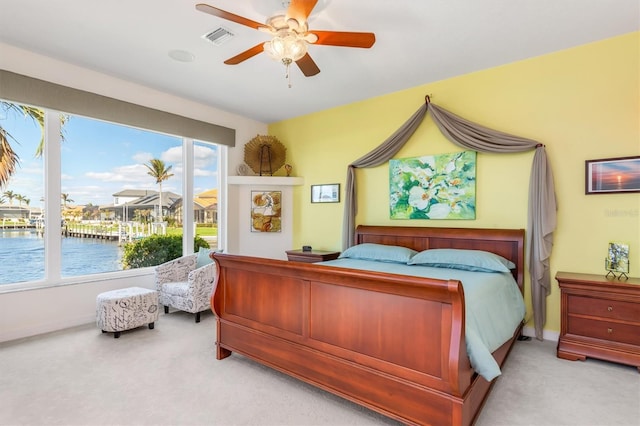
{"x":600,"y":318}
{"x":606,"y":330}
{"x":603,"y":308}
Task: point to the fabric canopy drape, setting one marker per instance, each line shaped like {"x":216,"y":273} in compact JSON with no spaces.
{"x":542,"y":201}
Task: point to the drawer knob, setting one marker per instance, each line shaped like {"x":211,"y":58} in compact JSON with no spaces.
{"x":610,"y":308}
{"x":609,"y":330}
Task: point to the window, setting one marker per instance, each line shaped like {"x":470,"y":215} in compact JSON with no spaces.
{"x":205,"y":188}
{"x":117,"y":185}
{"x":22,"y":199}
{"x":112,"y":178}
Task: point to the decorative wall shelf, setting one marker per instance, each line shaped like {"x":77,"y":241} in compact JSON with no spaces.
{"x":265,"y":180}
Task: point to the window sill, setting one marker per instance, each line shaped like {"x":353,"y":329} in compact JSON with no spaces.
{"x":78,"y":280}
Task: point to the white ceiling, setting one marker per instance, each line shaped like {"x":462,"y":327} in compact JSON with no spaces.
{"x":417,"y":42}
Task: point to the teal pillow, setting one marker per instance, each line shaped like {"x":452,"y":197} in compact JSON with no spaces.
{"x":203,"y":257}
{"x":379,"y":252}
{"x":467,"y":260}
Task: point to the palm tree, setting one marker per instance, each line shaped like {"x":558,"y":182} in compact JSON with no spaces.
{"x":8,"y":157}
{"x":90,"y":211}
{"x":65,"y":199}
{"x":20,"y":199}
{"x":160,"y":172}
{"x":10,"y":195}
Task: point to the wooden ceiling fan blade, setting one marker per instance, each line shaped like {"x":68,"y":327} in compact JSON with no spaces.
{"x":249,"y":53}
{"x":300,"y":9}
{"x":346,"y":39}
{"x":228,"y":16}
{"x":307,"y":66}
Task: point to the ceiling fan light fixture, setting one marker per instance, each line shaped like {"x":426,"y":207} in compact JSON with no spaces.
{"x":278,"y":21}
{"x":294,"y":25}
{"x":286,"y":45}
{"x":310,"y":38}
{"x":291,"y":36}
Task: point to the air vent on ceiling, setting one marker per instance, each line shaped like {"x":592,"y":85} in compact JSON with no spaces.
{"x":218,"y":36}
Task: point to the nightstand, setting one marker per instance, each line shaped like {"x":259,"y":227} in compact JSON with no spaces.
{"x":600,"y":318}
{"x":312,"y":256}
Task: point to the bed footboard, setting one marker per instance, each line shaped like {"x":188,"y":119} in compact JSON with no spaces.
{"x":392,"y":343}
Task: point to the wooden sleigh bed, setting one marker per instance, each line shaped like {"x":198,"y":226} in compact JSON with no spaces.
{"x":392,"y":343}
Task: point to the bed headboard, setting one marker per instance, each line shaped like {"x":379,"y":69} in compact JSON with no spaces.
{"x":508,"y":243}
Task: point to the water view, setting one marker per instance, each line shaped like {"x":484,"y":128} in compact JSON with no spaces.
{"x":22,"y":256}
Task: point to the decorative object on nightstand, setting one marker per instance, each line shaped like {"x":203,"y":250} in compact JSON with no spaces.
{"x":617,"y":260}
{"x":600,"y":318}
{"x":311,"y":256}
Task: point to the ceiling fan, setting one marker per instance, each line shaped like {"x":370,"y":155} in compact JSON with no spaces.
{"x":291,"y":36}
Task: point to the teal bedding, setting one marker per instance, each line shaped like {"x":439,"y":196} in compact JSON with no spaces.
{"x":494,"y":306}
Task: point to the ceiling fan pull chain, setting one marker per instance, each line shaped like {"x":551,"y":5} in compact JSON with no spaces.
{"x":287,"y":74}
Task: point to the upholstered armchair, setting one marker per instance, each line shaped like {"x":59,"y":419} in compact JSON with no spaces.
{"x":185,"y":285}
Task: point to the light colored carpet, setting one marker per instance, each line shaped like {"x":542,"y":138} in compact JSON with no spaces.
{"x":169,"y":376}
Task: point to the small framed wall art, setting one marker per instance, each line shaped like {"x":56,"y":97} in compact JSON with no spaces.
{"x":266,"y":211}
{"x":612,"y":175}
{"x":327,"y":193}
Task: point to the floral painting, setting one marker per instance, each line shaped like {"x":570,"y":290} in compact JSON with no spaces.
{"x":433,"y":187}
{"x":266,"y":211}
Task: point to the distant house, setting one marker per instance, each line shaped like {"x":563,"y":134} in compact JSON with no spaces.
{"x":129,"y":203}
{"x":13,"y":213}
{"x":72,"y":213}
{"x":145,"y":202}
{"x":205,"y":207}
{"x":128,"y":195}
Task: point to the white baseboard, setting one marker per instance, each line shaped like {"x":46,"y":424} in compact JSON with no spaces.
{"x":45,"y":328}
{"x":546,"y":334}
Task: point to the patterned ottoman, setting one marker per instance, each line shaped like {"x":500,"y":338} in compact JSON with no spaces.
{"x":126,"y":308}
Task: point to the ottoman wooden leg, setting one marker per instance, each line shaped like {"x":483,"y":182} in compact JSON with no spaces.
{"x":166,"y":309}
{"x":151,"y":325}
{"x":116,"y":334}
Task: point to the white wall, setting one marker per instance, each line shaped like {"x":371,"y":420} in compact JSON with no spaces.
{"x":29,"y":312}
{"x":35,"y":311}
{"x":261,"y":244}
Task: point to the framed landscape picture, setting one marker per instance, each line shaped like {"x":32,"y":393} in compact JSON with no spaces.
{"x":612,"y":175}
{"x":328,"y":193}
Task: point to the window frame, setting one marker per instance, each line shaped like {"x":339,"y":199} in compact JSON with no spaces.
{"x":53,"y":188}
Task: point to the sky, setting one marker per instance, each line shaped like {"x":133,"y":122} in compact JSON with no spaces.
{"x":100,"y":159}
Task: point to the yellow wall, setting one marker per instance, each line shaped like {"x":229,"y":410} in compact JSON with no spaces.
{"x":582,"y":103}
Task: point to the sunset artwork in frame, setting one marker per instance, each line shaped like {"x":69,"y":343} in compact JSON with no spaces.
{"x":612,"y":175}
